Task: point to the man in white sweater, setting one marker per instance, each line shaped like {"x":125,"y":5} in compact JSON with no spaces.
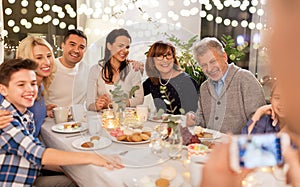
{"x":69,"y":84}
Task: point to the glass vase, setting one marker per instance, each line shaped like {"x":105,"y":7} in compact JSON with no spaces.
{"x":173,"y":143}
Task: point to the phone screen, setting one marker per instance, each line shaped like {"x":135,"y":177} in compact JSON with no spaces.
{"x":259,"y":150}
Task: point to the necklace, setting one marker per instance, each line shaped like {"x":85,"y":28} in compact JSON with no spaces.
{"x":167,"y":80}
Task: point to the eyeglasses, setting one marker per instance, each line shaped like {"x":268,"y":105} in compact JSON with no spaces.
{"x":168,"y":56}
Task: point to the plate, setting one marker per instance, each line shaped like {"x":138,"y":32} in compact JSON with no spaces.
{"x":153,"y":119}
{"x":60,"y":127}
{"x":149,"y":180}
{"x":114,"y":139}
{"x":141,"y":158}
{"x":216,"y":134}
{"x":102,"y":143}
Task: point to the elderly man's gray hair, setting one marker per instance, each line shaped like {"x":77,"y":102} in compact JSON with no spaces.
{"x":201,"y":47}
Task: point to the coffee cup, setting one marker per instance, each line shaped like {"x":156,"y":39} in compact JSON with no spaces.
{"x":61,"y":114}
{"x":142,"y":113}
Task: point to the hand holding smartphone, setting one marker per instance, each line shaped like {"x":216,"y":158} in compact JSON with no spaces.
{"x":261,"y":150}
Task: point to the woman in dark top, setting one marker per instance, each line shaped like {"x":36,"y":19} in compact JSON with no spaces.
{"x":171,"y":88}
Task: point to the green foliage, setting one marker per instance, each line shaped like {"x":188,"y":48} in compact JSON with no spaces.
{"x":234,"y":53}
{"x":168,"y":101}
{"x":120,"y":97}
{"x":132,"y":91}
{"x":186,"y":59}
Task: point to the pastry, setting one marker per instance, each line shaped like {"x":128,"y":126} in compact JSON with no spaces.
{"x":162,"y":182}
{"x":121,"y":138}
{"x":128,"y":138}
{"x":145,"y":137}
{"x":147,"y":133}
{"x":87,"y":145}
{"x":168,"y":172}
{"x":136,"y":138}
{"x":205,"y":135}
{"x":72,"y":125}
{"x":95,"y":138}
{"x":198,"y":130}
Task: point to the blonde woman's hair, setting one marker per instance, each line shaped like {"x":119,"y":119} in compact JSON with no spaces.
{"x":25,"y":50}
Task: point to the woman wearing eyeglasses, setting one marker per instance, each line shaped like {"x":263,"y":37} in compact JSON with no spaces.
{"x":171,"y":88}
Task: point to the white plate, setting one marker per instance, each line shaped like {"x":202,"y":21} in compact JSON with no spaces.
{"x":151,"y":118}
{"x":60,"y":128}
{"x":114,"y":139}
{"x":141,"y":158}
{"x":134,"y":181}
{"x":102,"y":143}
{"x":216,"y":134}
{"x":155,"y":120}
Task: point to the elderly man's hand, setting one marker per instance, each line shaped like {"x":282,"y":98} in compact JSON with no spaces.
{"x":190,"y":119}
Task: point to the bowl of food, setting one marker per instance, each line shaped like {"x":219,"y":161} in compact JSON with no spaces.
{"x":197,"y":149}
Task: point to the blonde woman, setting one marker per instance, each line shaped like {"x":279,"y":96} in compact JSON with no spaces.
{"x":39,"y":50}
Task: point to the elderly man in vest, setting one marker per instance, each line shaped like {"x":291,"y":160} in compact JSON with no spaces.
{"x":230,"y":95}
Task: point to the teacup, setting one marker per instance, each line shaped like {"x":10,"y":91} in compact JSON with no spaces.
{"x":61,"y":114}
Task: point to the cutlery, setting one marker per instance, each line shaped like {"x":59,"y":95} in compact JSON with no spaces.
{"x":123,"y":153}
{"x":74,"y":135}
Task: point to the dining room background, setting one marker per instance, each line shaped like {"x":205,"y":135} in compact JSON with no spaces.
{"x":147,"y":21}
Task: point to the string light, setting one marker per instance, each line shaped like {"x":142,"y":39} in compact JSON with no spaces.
{"x":113,"y":10}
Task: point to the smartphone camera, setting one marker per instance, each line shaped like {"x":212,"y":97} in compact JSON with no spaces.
{"x":257,"y":150}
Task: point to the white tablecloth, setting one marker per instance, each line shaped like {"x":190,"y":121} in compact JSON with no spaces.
{"x":90,"y":175}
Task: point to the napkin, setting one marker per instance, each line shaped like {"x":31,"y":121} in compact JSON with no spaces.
{"x":148,"y":101}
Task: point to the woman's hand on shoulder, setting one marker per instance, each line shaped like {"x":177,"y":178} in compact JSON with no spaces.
{"x":137,"y":66}
{"x":5,"y":118}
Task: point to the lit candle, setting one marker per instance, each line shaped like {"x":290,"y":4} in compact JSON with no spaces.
{"x":110,"y":124}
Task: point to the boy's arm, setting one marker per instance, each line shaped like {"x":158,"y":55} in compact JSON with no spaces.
{"x":15,"y":140}
{"x":77,"y":158}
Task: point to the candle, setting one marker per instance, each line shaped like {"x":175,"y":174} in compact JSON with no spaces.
{"x":110,"y":124}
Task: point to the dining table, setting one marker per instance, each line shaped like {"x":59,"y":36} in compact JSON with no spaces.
{"x":91,"y":175}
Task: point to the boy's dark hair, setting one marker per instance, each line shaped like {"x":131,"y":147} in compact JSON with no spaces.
{"x":76,"y":32}
{"x":11,"y":66}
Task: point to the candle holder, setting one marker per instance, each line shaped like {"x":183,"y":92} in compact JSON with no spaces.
{"x":109,"y":120}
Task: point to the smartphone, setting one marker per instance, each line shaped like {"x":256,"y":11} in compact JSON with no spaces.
{"x":261,"y":150}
